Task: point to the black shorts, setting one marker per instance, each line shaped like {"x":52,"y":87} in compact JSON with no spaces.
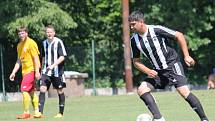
{"x":173,"y":75}
{"x":57,"y":82}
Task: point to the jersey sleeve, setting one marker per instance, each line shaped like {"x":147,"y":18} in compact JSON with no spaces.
{"x":165,"y":32}
{"x":34,"y":49}
{"x":61,"y":49}
{"x":135,"y":52}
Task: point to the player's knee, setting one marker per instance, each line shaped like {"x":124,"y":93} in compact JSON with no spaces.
{"x":184,"y":91}
{"x":60,"y":91}
{"x":143,"y":88}
{"x":43,"y":89}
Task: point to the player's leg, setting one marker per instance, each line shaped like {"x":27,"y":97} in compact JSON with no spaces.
{"x":193,"y":101}
{"x":33,"y":95}
{"x":61,"y":101}
{"x":42,"y":98}
{"x":45,"y":83}
{"x":145,"y":95}
{"x":26,"y":88}
{"x":35,"y":101}
{"x":59,"y":84}
{"x":26,"y":102}
{"x":180,"y":83}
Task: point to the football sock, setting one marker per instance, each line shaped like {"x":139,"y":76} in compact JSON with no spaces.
{"x":26,"y":102}
{"x":35,"y":102}
{"x":61,"y":102}
{"x":41,"y":101}
{"x":196,"y":105}
{"x":150,"y":103}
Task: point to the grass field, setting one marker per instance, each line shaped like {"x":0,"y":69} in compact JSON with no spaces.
{"x":116,"y":108}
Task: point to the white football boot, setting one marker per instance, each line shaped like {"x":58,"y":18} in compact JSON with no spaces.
{"x":161,"y":119}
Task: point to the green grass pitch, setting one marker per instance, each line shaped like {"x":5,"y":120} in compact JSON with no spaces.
{"x":116,"y":108}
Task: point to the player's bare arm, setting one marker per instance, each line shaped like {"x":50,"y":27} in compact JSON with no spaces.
{"x":59,"y":60}
{"x":183,"y":44}
{"x":137,"y":63}
{"x":15,"y":69}
{"x":37,"y":67}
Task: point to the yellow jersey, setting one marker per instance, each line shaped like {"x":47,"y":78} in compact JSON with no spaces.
{"x":26,"y":51}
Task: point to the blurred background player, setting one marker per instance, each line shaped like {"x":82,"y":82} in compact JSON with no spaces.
{"x":28,"y":59}
{"x":211,"y":80}
{"x":167,"y":68}
{"x":53,"y":56}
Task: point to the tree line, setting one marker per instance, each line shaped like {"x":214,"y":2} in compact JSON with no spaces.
{"x":78,"y":22}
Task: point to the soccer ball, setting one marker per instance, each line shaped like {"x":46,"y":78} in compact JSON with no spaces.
{"x":144,"y":117}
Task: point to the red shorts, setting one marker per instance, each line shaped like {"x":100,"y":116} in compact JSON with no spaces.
{"x":28,"y":84}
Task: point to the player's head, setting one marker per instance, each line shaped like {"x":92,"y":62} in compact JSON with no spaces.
{"x":50,"y":32}
{"x":136,"y":16}
{"x":136,"y":21}
{"x":22,"y":33}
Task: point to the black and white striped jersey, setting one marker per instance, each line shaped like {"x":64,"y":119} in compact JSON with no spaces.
{"x":153,"y":45}
{"x":50,"y":53}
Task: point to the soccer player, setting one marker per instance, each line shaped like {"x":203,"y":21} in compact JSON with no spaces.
{"x":53,"y":56}
{"x":167,"y":68}
{"x":28,"y":59}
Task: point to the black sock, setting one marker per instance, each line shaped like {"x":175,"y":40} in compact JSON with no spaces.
{"x":150,"y":103}
{"x":61,"y":103}
{"x":196,"y":105}
{"x":41,"y":101}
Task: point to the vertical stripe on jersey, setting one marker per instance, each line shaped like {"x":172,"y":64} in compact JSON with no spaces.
{"x":52,"y":55}
{"x":137,"y":41}
{"x":55,"y":57}
{"x":132,"y":55}
{"x":52,"y":52}
{"x":46,"y":57}
{"x":164,"y":45}
{"x":135,"y":51}
{"x":142,"y":46}
{"x":63,"y":48}
{"x":148,"y":45}
{"x":158,"y":52}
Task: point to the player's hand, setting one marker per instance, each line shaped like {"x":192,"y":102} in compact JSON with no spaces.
{"x":152,"y":74}
{"x":50,"y":67}
{"x":12,"y":76}
{"x":189,"y":61}
{"x":37,"y":75}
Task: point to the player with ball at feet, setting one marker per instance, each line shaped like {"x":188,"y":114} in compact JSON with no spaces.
{"x":167,"y":68}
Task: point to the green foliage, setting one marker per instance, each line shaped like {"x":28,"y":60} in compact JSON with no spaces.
{"x":103,"y":82}
{"x":36,"y":15}
{"x":196,"y":41}
{"x":120,"y":83}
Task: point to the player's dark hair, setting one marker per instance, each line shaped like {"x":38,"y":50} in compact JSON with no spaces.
{"x":22,"y":28}
{"x":136,"y":16}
